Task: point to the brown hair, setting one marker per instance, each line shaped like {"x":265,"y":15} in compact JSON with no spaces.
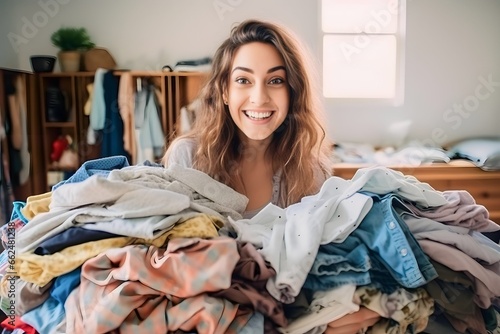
{"x":299,"y":146}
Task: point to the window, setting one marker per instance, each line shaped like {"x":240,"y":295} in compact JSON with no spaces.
{"x":363,"y":49}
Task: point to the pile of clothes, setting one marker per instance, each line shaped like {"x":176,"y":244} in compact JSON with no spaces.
{"x":143,"y":248}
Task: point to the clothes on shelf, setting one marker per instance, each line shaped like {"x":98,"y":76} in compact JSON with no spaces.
{"x":194,"y":65}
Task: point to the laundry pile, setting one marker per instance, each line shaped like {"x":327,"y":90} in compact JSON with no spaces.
{"x":121,"y":248}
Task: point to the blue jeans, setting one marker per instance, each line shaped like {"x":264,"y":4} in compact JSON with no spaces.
{"x":381,"y":251}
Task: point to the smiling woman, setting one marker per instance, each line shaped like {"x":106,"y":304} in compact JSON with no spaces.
{"x":258,"y":100}
{"x":265,"y":138}
{"x":259,"y":128}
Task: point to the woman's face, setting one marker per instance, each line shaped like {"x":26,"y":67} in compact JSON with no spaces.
{"x":258,"y":96}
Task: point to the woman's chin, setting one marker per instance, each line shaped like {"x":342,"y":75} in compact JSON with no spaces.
{"x":258,"y":136}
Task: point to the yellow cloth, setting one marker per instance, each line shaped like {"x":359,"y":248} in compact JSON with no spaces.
{"x":87,"y":108}
{"x":41,"y":269}
{"x":36,"y":204}
{"x":202,"y":226}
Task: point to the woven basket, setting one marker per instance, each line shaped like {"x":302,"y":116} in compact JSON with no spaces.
{"x":98,"y":58}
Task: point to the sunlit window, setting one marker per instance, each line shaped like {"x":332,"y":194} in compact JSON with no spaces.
{"x":363,"y":49}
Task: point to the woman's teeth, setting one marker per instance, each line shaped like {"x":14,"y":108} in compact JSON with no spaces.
{"x":258,"y":115}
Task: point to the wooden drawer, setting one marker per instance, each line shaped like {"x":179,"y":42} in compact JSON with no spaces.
{"x":479,"y":189}
{"x":458,"y":175}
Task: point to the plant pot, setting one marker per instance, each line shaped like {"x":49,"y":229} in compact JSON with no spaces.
{"x":42,"y":64}
{"x":69,"y":61}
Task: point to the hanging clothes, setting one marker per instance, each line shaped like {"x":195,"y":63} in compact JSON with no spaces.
{"x":6,"y":191}
{"x":20,"y":84}
{"x":10,"y":160}
{"x":112,"y":132}
{"x":126,"y":104}
{"x":188,"y":116}
{"x":149,"y":133}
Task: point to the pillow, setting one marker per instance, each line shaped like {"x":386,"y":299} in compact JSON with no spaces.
{"x":483,"y":152}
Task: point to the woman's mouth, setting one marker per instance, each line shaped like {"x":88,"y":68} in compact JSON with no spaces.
{"x":255,"y":115}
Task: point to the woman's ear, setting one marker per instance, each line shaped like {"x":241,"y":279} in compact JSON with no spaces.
{"x":224,"y":98}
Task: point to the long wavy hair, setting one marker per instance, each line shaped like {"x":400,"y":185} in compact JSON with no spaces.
{"x":299,"y":147}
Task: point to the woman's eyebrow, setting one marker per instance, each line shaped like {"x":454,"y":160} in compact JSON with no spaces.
{"x":246,"y":69}
{"x":272,"y":69}
{"x":276,"y":68}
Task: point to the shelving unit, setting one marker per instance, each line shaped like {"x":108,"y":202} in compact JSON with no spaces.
{"x":73,"y":89}
{"x":176,"y":90}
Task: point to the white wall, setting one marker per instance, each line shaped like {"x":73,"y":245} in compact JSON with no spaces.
{"x":8,"y":57}
{"x":147,"y":34}
{"x":450,"y":44}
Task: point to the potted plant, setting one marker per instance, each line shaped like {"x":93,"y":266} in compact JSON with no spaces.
{"x":71,"y":42}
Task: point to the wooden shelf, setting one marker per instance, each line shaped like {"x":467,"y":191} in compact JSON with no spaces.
{"x":60,"y":124}
{"x":66,"y":74}
{"x":142,"y":73}
{"x":176,"y":90}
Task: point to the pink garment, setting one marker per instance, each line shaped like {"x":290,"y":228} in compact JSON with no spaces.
{"x":140,"y":289}
{"x":248,"y":285}
{"x":486,"y":278}
{"x":461,"y":210}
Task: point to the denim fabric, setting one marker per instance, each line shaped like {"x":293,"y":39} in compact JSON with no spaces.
{"x":327,"y":282}
{"x":381,"y":242}
{"x":338,"y":264}
{"x":392,"y":203}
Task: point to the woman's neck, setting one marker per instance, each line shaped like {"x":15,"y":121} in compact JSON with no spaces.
{"x":255,"y":173}
{"x":255,"y":151}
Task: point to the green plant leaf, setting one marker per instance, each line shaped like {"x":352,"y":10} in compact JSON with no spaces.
{"x":71,"y":39}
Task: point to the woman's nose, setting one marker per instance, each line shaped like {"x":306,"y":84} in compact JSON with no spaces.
{"x":259,"y":95}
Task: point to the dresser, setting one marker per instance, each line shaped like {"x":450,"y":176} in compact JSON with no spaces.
{"x":484,"y":186}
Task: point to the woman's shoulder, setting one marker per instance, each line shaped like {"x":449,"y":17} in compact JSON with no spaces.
{"x":181,"y":152}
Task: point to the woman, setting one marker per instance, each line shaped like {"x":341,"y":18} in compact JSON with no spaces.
{"x":259,"y":129}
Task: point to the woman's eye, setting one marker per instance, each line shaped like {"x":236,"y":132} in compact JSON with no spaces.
{"x":242,"y":81}
{"x":276,"y":81}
